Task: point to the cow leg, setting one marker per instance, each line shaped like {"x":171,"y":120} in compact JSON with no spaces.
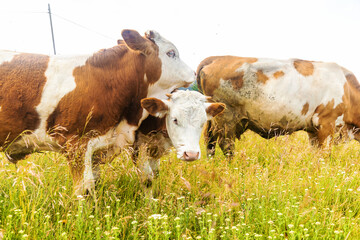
{"x":89,"y":178}
{"x":210,"y":139}
{"x":148,"y":149}
{"x":313,"y":139}
{"x":322,"y":136}
{"x":227,"y":140}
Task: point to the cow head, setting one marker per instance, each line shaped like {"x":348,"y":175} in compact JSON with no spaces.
{"x":186,"y":113}
{"x":165,"y":71}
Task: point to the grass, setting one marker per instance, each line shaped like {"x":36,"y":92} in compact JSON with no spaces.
{"x":273,"y":189}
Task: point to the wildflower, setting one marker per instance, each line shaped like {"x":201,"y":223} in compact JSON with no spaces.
{"x":198,"y":237}
{"x":91,"y":216}
{"x":107,"y":207}
{"x":270,"y":222}
{"x":292,"y":232}
{"x":134,"y":222}
{"x":114,"y":228}
{"x":155,"y":216}
{"x":317,"y":223}
{"x":336,"y":232}
{"x":63,"y":234}
{"x":279,"y":214}
{"x":305,"y":229}
{"x":291,"y":225}
{"x":227,"y":219}
{"x":178,"y":226}
{"x":25,"y":236}
{"x":350,"y":189}
{"x":107,"y":233}
{"x":21,"y":231}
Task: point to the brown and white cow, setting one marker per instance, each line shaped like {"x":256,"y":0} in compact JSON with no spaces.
{"x":177,"y":121}
{"x":64,"y":102}
{"x":273,"y":97}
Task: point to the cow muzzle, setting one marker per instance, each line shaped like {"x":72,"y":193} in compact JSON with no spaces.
{"x":190,"y":156}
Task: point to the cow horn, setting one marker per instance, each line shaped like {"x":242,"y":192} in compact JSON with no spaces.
{"x":208,"y":98}
{"x":169,"y":95}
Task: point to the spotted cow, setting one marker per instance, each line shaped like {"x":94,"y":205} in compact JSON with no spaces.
{"x":92,"y":101}
{"x":274,"y":97}
{"x":177,"y":121}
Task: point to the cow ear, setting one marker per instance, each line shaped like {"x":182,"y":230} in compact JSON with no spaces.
{"x":213,"y":109}
{"x":155,"y":107}
{"x":152,"y":35}
{"x":136,"y":42}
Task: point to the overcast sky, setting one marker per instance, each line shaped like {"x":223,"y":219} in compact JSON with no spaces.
{"x":322,"y":30}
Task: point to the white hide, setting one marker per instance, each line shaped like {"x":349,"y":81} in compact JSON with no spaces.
{"x":283,"y":98}
{"x":174,"y":72}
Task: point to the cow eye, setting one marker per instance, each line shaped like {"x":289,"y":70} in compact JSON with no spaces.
{"x":175,"y":121}
{"x":171,"y":53}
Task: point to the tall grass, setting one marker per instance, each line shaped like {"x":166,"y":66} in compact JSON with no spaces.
{"x":272,"y":189}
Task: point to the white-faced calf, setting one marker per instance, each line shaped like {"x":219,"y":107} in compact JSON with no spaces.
{"x":177,"y":121}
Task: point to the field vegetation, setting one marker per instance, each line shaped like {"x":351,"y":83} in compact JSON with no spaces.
{"x":273,"y":189}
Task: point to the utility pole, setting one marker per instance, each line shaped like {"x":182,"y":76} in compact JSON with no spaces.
{"x":52,"y":30}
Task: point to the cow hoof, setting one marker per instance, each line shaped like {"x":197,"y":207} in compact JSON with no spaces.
{"x":87,"y":188}
{"x":13,"y":159}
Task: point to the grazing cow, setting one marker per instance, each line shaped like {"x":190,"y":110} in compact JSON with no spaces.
{"x":273,"y":97}
{"x":176,"y":122}
{"x":93,"y":101}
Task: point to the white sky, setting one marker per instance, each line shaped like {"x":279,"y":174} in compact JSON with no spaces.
{"x":322,"y":30}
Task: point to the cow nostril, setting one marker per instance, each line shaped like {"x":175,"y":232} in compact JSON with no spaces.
{"x":190,"y":156}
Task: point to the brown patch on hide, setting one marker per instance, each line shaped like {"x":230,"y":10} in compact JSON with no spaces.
{"x":21,"y":84}
{"x":305,"y":68}
{"x":211,"y":70}
{"x":327,"y":115}
{"x":305,"y":109}
{"x":278,"y":74}
{"x":261,"y":77}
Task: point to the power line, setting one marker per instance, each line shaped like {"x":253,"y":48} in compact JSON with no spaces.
{"x":81,"y":26}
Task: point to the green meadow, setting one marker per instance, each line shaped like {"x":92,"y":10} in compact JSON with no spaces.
{"x":273,"y":189}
